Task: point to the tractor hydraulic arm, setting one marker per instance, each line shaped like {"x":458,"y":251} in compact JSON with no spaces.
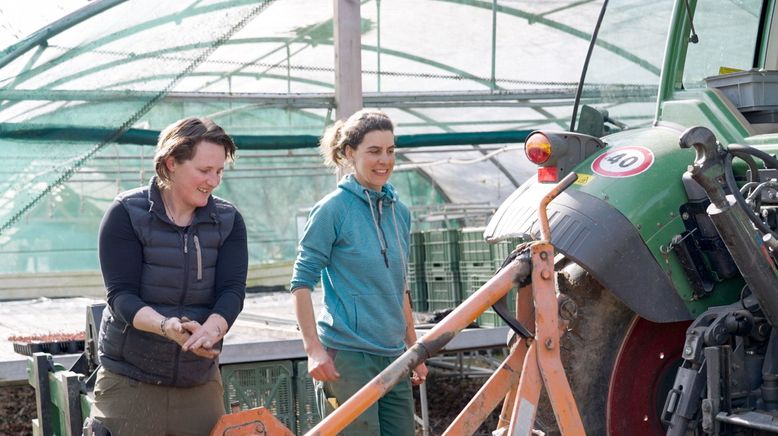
{"x":743,"y":241}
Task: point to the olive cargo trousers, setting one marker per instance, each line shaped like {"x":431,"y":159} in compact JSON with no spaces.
{"x":392,"y":415}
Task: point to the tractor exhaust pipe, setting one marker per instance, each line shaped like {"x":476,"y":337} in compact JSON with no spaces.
{"x":743,"y":241}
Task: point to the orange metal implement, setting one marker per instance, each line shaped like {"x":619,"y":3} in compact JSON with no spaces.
{"x":258,"y":421}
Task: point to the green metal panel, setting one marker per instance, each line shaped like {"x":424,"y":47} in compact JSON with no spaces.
{"x":261,"y":384}
{"x":305,"y":399}
{"x":651,"y":201}
{"x":705,"y":108}
{"x":675,"y":51}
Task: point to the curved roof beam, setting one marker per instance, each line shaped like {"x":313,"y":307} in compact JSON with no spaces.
{"x":435,"y":64}
{"x":43,"y":34}
{"x":533,"y":18}
{"x":161,"y":52}
{"x":161,"y":20}
{"x":130,"y":31}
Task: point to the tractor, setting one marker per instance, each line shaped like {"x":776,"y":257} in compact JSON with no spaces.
{"x":666,"y":242}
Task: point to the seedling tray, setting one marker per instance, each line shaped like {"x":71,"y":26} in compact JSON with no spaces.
{"x":60,"y":347}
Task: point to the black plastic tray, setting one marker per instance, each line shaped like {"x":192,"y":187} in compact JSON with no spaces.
{"x":63,"y":347}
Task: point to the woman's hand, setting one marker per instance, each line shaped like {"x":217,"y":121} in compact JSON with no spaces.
{"x":321,"y":366}
{"x":419,"y":374}
{"x":175,"y":330}
{"x":201,"y":338}
{"x":172,"y":329}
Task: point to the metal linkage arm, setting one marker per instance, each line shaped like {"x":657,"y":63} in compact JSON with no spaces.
{"x":426,"y":347}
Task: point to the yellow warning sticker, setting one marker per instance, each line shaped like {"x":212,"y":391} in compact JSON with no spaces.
{"x":583,"y":179}
{"x":728,"y":70}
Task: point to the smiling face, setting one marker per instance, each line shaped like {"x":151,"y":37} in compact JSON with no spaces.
{"x":193,"y":180}
{"x":373,"y":159}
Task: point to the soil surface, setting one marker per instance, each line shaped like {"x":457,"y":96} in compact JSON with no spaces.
{"x":17,"y":409}
{"x":447,"y":395}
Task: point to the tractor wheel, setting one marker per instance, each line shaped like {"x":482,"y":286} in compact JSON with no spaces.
{"x":607,"y":342}
{"x":642,"y":375}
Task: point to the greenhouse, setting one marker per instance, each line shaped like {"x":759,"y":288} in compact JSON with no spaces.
{"x":84,"y":97}
{"x":539,"y":145}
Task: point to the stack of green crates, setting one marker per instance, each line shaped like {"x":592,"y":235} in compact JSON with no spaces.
{"x":478,"y":262}
{"x":261,"y":384}
{"x":475,"y":260}
{"x":416,"y":276}
{"x":500,"y":251}
{"x":441,"y":269}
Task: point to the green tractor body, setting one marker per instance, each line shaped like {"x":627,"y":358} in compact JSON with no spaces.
{"x":636,"y":224}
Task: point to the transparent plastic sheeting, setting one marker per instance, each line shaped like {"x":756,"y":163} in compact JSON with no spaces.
{"x":267,"y":68}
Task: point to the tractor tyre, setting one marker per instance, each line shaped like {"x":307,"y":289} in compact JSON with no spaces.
{"x":592,"y":352}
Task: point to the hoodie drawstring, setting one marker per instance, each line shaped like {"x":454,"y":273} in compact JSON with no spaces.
{"x":378,"y":230}
{"x":400,"y":247}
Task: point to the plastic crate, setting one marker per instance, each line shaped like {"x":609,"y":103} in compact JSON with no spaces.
{"x":473,"y":277}
{"x":441,"y":246}
{"x":502,"y":249}
{"x":306,"y":412}
{"x":485,"y":266}
{"x":261,"y":384}
{"x":490,"y":318}
{"x":417,"y":248}
{"x":473,"y":247}
{"x":440,"y":268}
{"x":418,"y":284}
{"x":443,"y":291}
{"x":748,"y":90}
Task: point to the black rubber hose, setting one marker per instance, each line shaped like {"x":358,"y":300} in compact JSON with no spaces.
{"x":730,"y":179}
{"x":769,"y":160}
{"x":749,"y":160}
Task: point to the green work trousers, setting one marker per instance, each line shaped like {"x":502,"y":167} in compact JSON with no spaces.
{"x":392,"y":415}
{"x":129,"y":407}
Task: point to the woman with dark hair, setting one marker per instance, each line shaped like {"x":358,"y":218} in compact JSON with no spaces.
{"x":174,"y":260}
{"x":357,"y":242}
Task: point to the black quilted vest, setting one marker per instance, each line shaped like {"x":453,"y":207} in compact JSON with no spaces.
{"x":179,"y":268}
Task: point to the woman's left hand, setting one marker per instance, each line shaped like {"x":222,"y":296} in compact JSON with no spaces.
{"x":419,"y":374}
{"x":201,"y":336}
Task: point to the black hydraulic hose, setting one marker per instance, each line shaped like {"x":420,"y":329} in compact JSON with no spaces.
{"x":754,"y":178}
{"x":592,"y":41}
{"x":730,"y":179}
{"x":769,"y":160}
{"x":751,"y":164}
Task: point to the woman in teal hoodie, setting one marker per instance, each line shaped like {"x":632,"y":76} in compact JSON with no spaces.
{"x":357,"y":242}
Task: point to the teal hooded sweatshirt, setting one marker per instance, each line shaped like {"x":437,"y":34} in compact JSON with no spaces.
{"x":356,"y":242}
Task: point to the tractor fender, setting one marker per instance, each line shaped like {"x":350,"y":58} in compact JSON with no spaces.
{"x":599,"y":238}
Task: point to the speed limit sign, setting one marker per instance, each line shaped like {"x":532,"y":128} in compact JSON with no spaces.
{"x":623,"y":162}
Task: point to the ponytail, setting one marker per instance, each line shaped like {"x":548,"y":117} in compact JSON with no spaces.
{"x":330,"y":146}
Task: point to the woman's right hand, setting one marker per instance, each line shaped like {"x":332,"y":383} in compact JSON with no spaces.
{"x":175,"y":331}
{"x":321,"y":366}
